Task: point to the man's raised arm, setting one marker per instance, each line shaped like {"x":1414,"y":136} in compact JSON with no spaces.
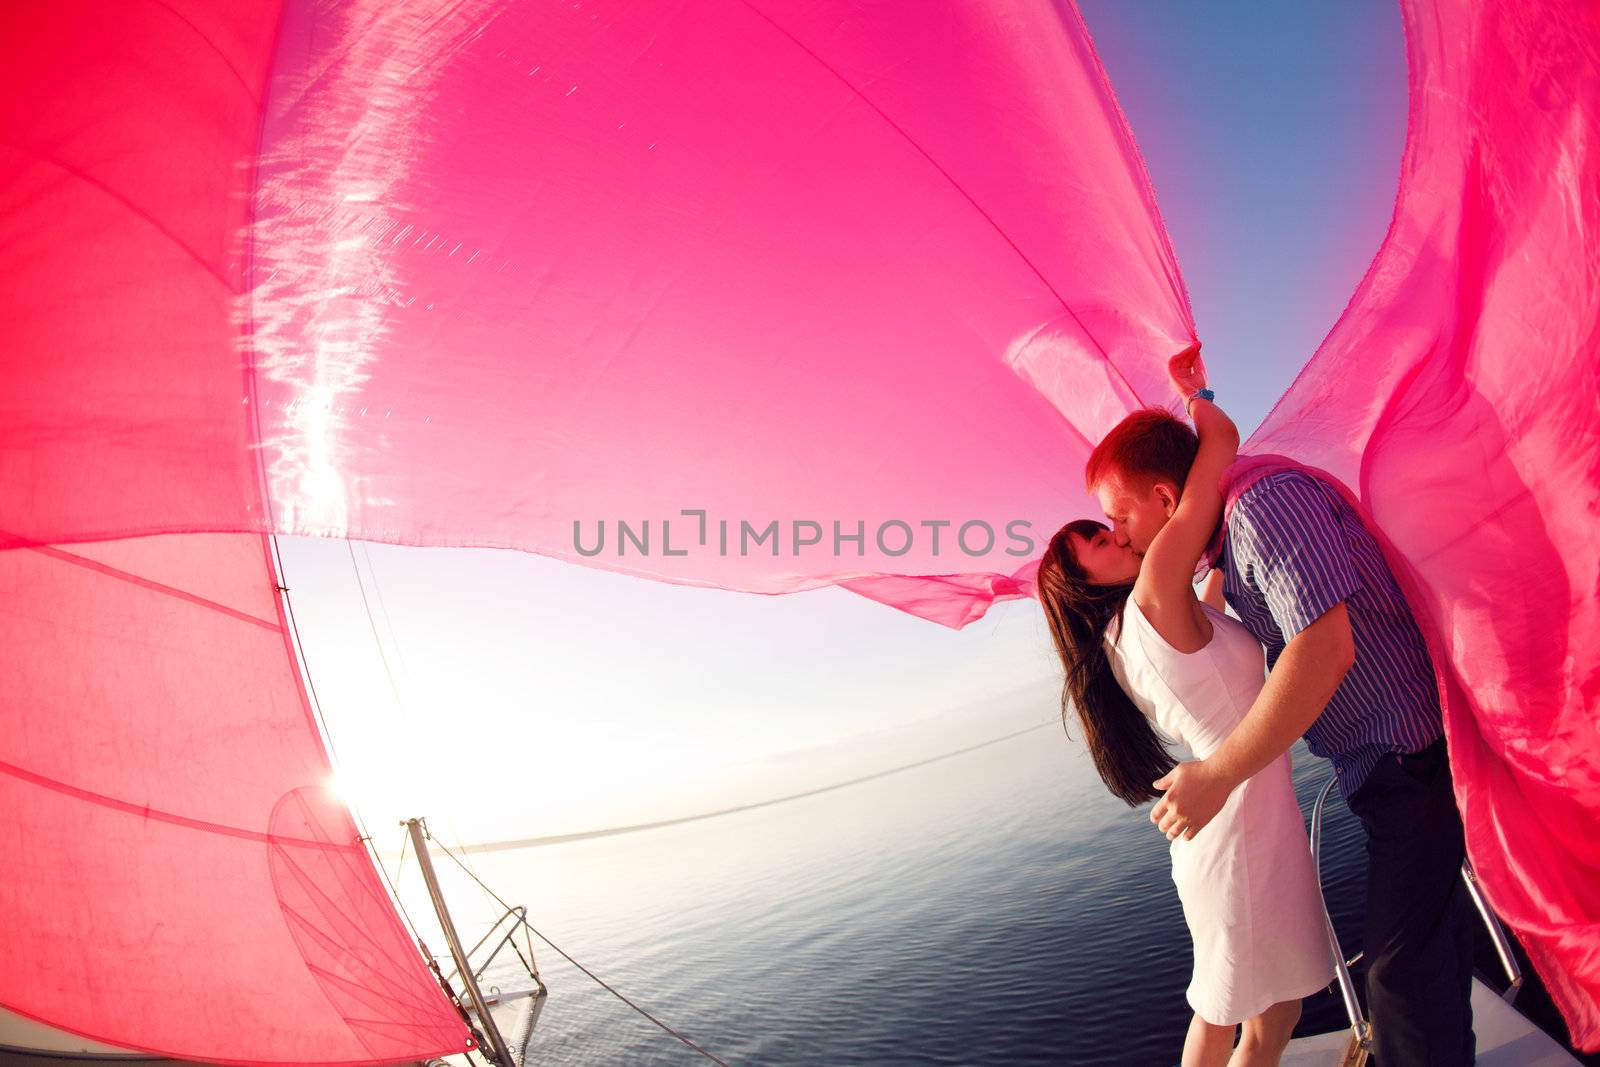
{"x":1299,"y":687}
{"x":1286,"y":535}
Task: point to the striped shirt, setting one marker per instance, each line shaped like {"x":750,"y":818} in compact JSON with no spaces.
{"x":1294,"y":549}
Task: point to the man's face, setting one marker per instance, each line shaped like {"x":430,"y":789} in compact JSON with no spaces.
{"x":1136,"y":513}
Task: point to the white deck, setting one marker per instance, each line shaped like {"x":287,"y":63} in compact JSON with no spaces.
{"x":1505,"y":1039}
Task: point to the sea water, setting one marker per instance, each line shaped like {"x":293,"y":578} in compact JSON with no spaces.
{"x":998,"y":906}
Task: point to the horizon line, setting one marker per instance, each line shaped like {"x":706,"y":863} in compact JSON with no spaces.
{"x":611,"y":831}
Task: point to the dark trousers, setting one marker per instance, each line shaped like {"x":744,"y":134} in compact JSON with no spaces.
{"x":1418,"y":932}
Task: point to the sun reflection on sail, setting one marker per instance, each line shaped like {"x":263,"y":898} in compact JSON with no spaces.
{"x":331,"y":227}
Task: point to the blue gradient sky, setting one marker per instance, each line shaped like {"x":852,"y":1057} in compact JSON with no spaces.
{"x":1273,"y":134}
{"x":534,"y":697}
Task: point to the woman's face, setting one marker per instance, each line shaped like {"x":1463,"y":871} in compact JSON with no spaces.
{"x":1103,"y":560}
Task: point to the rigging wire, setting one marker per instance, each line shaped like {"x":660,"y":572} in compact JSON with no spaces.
{"x":327,"y":735}
{"x":459,"y":862}
{"x":372,"y":623}
{"x":383,"y":656}
{"x":281,"y":582}
{"x":602,"y":983}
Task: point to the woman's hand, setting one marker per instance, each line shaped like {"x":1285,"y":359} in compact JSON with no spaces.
{"x":1187,"y":372}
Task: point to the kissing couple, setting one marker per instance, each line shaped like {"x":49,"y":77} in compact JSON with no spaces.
{"x":1323,"y":646}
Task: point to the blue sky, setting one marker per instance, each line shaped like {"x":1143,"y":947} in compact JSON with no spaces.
{"x":535,"y":697}
{"x":1273,"y":134}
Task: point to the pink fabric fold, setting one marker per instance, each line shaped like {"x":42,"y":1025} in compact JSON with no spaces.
{"x":179,"y":879}
{"x":519,"y":275}
{"x":1459,"y":397}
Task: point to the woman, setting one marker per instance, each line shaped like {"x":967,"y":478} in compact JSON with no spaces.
{"x":1138,"y":646}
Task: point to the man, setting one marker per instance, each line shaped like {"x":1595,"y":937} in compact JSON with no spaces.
{"x":1349,"y":671}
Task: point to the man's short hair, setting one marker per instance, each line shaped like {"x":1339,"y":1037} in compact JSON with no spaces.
{"x":1149,"y":446}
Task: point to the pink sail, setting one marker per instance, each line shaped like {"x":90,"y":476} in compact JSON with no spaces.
{"x":1459,"y":396}
{"x":474,"y":276}
{"x":178,"y":878}
{"x":803,"y":294}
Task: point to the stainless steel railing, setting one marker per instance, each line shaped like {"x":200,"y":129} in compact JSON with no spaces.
{"x":498,"y":1049}
{"x":1497,"y":934}
{"x":1361,"y":1030}
{"x":518,"y":917}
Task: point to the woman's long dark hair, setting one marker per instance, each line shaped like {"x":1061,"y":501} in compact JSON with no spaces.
{"x":1126,"y":751}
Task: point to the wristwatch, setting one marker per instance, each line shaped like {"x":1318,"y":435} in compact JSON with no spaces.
{"x":1203,"y":394}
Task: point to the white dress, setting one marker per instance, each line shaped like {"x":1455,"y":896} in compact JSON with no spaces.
{"x":1246,"y":881}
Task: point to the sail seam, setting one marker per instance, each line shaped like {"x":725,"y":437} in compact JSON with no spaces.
{"x":148,"y":812}
{"x":147,"y":583}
